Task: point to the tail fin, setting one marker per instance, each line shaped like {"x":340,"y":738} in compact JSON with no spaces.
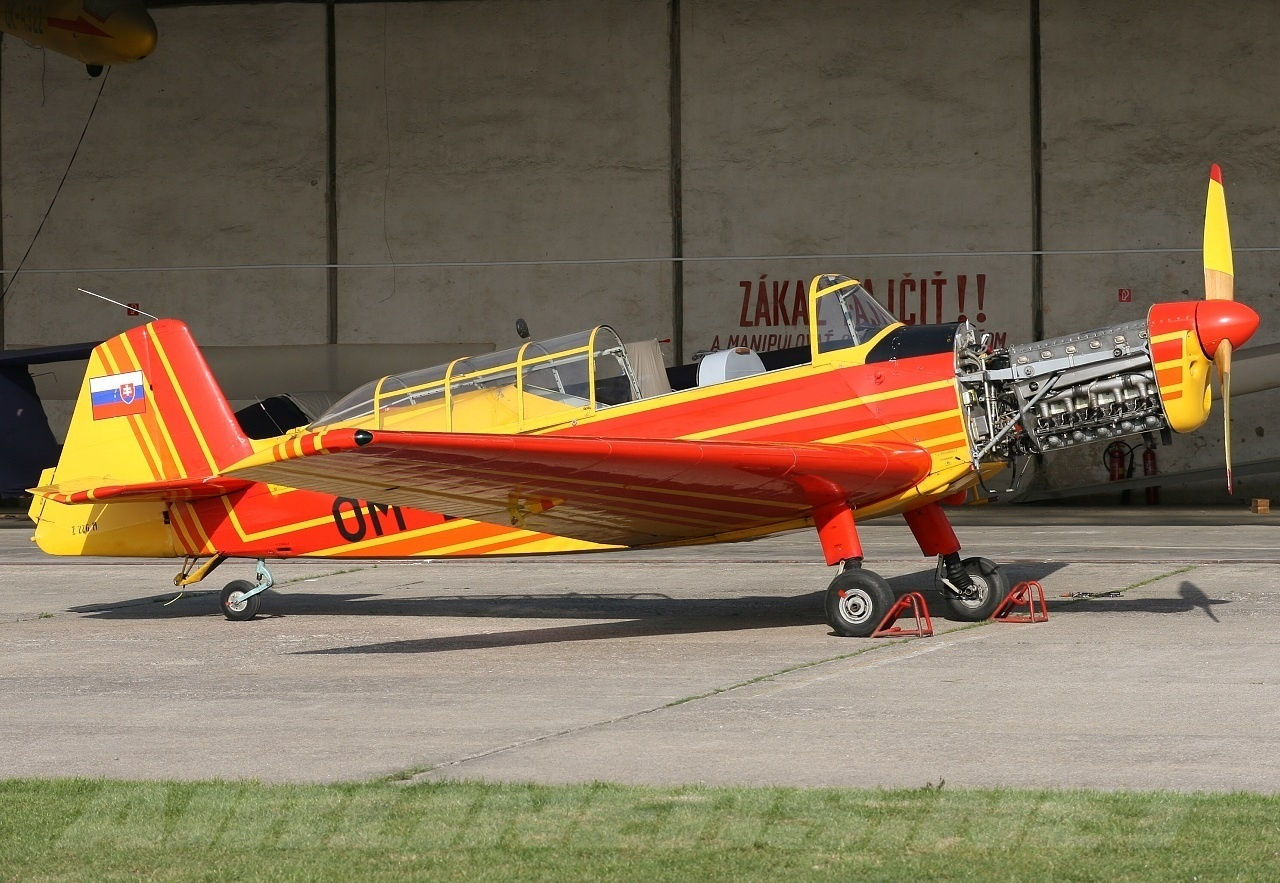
{"x":150,"y":426}
{"x":150,"y":410}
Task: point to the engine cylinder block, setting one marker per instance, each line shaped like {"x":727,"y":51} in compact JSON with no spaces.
{"x":1058,"y":393}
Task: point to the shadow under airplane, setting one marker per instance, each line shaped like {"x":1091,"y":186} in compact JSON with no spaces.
{"x":624,"y":614}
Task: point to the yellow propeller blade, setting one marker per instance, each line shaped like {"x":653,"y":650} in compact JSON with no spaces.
{"x":1219,"y":284}
{"x":1222,"y":358}
{"x":1219,"y":270}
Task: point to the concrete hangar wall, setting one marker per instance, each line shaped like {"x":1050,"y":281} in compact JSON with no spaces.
{"x":549,"y":160}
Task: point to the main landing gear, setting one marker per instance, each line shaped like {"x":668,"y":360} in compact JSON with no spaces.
{"x":972,"y":588}
{"x":858,"y":600}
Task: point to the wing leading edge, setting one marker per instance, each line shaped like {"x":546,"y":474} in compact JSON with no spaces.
{"x":619,"y":491}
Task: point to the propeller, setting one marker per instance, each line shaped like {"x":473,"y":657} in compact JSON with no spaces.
{"x":1219,"y":285}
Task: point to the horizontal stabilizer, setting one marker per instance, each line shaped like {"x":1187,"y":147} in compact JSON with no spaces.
{"x":167,"y":491}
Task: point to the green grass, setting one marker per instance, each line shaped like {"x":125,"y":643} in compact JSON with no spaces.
{"x":105,"y":830}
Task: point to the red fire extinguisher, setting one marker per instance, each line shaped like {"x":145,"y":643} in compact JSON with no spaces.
{"x":1149,"y":469}
{"x":1119,"y":459}
{"x":1116,"y":455}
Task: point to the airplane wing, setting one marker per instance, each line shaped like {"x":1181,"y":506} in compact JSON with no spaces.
{"x":624,"y":491}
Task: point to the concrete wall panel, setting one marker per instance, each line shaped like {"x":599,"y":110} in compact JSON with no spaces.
{"x":495,"y":133}
{"x":1139,"y":99}
{"x":190,"y":159}
{"x":826,"y":128}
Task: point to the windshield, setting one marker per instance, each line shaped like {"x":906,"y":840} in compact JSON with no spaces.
{"x":847,"y":313}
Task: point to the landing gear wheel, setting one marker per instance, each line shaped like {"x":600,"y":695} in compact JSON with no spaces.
{"x":235,"y":606}
{"x":990,"y":586}
{"x":857,"y":601}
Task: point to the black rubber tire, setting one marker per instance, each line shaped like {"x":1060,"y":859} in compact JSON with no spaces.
{"x":992,"y":586}
{"x":233,"y":607}
{"x":857,"y":600}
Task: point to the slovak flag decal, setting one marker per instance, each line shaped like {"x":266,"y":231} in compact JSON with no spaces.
{"x":118,"y":395}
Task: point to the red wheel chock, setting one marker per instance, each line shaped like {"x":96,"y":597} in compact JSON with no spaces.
{"x":919,"y":609}
{"x":1029,"y":595}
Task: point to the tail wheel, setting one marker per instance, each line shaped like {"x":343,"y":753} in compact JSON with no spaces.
{"x":235,"y":606}
{"x":990,"y":586}
{"x":857,"y":601}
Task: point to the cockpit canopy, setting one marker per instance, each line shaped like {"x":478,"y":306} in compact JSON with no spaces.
{"x":535,"y":383}
{"x":542,"y":383}
{"x":846,"y":315}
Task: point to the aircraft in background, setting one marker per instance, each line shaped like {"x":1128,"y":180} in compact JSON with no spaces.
{"x":96,"y":33}
{"x":581,"y":444}
{"x":28,"y":445}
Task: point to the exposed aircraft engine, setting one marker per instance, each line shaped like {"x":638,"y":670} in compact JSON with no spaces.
{"x":1058,"y":393}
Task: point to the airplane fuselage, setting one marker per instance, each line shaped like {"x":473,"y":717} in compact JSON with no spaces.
{"x":837,"y":400}
{"x":916,"y":402}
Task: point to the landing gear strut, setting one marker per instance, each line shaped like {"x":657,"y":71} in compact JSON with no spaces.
{"x":972,"y":588}
{"x":857,"y":600}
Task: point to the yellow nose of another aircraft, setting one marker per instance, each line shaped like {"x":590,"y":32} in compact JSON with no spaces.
{"x":132,"y":33}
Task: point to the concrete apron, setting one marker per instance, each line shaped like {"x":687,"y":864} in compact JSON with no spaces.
{"x":701,"y":665}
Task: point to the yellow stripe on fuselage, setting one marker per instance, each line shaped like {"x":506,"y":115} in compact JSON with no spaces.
{"x":457,"y":548}
{"x":804,"y":413}
{"x":254,"y":536}
{"x":958,"y":441}
{"x":884,"y":428}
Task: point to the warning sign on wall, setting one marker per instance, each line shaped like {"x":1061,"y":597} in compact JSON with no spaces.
{"x":773,"y":313}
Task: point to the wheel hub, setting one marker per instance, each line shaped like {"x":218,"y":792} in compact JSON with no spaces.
{"x":856,"y":605}
{"x":976,"y":595}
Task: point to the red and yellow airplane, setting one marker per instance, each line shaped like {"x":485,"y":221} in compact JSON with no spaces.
{"x":97,"y":33}
{"x":562,"y":446}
